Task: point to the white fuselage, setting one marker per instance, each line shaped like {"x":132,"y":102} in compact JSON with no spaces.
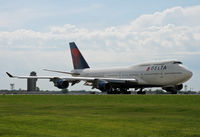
{"x":165,"y":73}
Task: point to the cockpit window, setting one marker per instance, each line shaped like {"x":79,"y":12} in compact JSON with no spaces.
{"x":177,"y":62}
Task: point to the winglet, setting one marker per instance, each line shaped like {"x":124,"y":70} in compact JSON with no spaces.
{"x":11,"y":76}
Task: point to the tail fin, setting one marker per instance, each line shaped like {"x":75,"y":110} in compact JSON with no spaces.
{"x":77,"y":58}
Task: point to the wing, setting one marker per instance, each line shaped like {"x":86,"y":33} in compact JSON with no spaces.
{"x":71,"y":79}
{"x":96,"y":82}
{"x":64,"y":72}
{"x":51,"y":78}
{"x":27,"y":77}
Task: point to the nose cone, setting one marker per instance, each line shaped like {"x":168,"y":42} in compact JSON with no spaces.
{"x":188,"y":74}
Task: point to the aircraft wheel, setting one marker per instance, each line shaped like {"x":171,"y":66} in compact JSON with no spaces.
{"x":124,"y":91}
{"x":127,"y":92}
{"x":174,"y":92}
{"x":141,"y":92}
{"x":116,"y":91}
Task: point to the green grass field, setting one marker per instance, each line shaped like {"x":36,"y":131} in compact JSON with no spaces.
{"x":100,"y":115}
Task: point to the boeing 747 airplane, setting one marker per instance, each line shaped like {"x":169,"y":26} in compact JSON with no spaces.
{"x":169,"y":75}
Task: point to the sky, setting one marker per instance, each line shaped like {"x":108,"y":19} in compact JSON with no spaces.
{"x":35,"y":34}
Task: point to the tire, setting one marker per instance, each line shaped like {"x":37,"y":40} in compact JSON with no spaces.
{"x":141,"y":93}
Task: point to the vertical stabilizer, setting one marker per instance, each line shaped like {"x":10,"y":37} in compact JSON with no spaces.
{"x":77,"y":58}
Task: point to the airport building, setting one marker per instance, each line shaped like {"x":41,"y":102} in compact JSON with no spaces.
{"x":31,"y":82}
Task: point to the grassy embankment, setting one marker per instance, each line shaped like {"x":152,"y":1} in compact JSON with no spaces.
{"x":100,"y":115}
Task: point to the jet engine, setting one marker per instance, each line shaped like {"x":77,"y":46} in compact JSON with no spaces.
{"x":173,"y":89}
{"x":179,"y":87}
{"x":61,"y":84}
{"x":103,"y":85}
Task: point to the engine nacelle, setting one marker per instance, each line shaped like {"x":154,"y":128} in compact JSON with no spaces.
{"x":103,"y":85}
{"x":61,"y":84}
{"x":179,"y":87}
{"x":173,"y":89}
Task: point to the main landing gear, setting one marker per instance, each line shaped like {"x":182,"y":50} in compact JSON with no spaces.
{"x":141,"y":92}
{"x":118,"y":91}
{"x":123,"y":91}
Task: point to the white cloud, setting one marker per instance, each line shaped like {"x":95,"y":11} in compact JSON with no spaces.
{"x":173,"y":33}
{"x":147,"y":35}
{"x":177,"y":16}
